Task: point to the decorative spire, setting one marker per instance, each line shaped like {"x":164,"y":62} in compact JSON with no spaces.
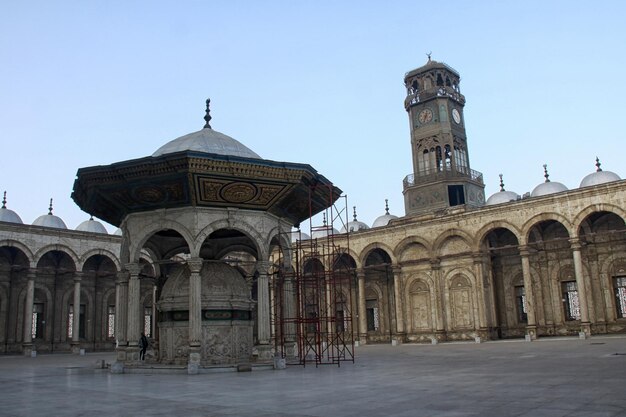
{"x":501,"y":183}
{"x":4,"y":200}
{"x":207,"y":116}
{"x":598,"y":169}
{"x":324,"y":216}
{"x":545,"y":172}
{"x":50,"y":208}
{"x":428,"y":55}
{"x":354,"y":212}
{"x":91,"y":217}
{"x":386,"y":206}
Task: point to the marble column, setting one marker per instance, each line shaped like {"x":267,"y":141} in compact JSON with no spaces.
{"x":531,"y":327}
{"x":289,"y":312}
{"x":584,"y":302}
{"x":480,"y":293}
{"x":439,"y":289}
{"x":195,"y":314}
{"x":121,"y":309}
{"x":133,"y":330}
{"x":28,"y":347}
{"x":263,"y":303}
{"x":76,"y":315}
{"x":360,"y":274}
{"x":398,"y":295}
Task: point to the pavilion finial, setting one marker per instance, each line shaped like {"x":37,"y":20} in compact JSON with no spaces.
{"x":207,"y":116}
{"x":354,"y":212}
{"x":386,"y":206}
{"x":598,"y":169}
{"x":4,"y":200}
{"x":501,"y":183}
{"x":50,"y":208}
{"x":324,"y":217}
{"x":545,"y":172}
{"x":428,"y":55}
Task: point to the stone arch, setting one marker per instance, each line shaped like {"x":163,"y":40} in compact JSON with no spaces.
{"x":535,"y":220}
{"x":447,"y":237}
{"x":484,"y":231}
{"x":103,"y":252}
{"x":421,"y":303}
{"x":86,"y":298}
{"x":365,"y":252}
{"x":240,"y":226}
{"x":404,"y":250}
{"x":460,"y":299}
{"x":58,"y":248}
{"x":152,"y":229}
{"x":49,"y":302}
{"x":594,"y":208}
{"x":22,"y":247}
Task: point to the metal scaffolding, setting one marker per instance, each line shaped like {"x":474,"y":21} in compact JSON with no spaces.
{"x":312,"y":301}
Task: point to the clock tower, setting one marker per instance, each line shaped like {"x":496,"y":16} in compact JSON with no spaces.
{"x":441,"y":176}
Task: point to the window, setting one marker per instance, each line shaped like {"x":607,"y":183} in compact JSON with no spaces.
{"x":111,"y":322}
{"x":520,"y":304}
{"x":456,"y":195}
{"x":147,"y":321}
{"x":38,"y":321}
{"x":571,"y":303}
{"x":373,"y":319}
{"x":81,"y":323}
{"x":620,"y":296}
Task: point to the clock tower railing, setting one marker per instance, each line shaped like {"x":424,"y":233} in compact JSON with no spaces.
{"x":446,"y":174}
{"x":416,"y":97}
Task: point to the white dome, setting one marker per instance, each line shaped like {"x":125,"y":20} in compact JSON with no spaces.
{"x":599,"y":177}
{"x":92,"y":226}
{"x":209,"y":141}
{"x":385,"y":218}
{"x":354,"y":226}
{"x":118,"y":232}
{"x":502,"y":197}
{"x":302,"y":236}
{"x":7,"y":215}
{"x":546,"y":188}
{"x":323,"y":232}
{"x":50,"y":220}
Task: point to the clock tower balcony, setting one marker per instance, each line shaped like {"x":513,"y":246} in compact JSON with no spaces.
{"x":447,"y":173}
{"x":416,"y":97}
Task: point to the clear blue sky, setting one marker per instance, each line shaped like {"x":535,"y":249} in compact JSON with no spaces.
{"x":92,"y":83}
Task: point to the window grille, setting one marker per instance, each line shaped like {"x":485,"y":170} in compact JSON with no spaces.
{"x":111,"y":322}
{"x":571,"y":302}
{"x":620,"y":296}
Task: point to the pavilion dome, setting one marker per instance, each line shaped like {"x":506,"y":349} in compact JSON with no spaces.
{"x":207,"y":140}
{"x":547,"y":187}
{"x":7,"y":215}
{"x":354,"y":226}
{"x":50,"y":220}
{"x":385,"y":218}
{"x":502,"y":196}
{"x":299,"y":236}
{"x":92,"y":226}
{"x":599,"y":177}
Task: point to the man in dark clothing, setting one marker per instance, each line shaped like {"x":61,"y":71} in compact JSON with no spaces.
{"x":143,"y":346}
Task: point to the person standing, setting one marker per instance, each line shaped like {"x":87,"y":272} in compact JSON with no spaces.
{"x":143,"y":346}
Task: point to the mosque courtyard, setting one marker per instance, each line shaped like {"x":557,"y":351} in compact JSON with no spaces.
{"x":547,"y":377}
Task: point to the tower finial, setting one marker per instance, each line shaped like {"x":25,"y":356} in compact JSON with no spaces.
{"x":428,"y":55}
{"x":501,"y":183}
{"x":598,"y":169}
{"x":545,"y":172}
{"x":4,"y":200}
{"x":207,"y":116}
{"x":386,"y":206}
{"x":50,"y":208}
{"x":354,"y":212}
{"x":324,"y":216}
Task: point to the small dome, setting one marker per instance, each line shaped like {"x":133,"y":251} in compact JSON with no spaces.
{"x":323,"y":232}
{"x":599,"y":177}
{"x":50,"y":220}
{"x":118,"y":232}
{"x":385,"y":218}
{"x":502,"y":196}
{"x":301,"y":236}
{"x":92,"y":226}
{"x":548,"y":187}
{"x":7,"y":215}
{"x":207,"y":140}
{"x":354,"y":225}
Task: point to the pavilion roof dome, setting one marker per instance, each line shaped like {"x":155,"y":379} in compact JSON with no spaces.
{"x":385,"y":218}
{"x":50,"y":220}
{"x":207,"y":140}
{"x":502,"y":196}
{"x":599,"y":177}
{"x":92,"y":226}
{"x":7,"y":215}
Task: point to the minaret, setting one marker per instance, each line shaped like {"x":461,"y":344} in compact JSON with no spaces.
{"x":441,"y":176}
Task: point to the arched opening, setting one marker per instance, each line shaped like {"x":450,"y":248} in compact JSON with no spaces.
{"x":13,"y":270}
{"x":379,"y":302}
{"x":99,"y":276}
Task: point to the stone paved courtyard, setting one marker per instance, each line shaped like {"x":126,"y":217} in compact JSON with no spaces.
{"x":548,"y":377}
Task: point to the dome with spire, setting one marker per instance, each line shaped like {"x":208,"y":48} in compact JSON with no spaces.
{"x":354,"y":225}
{"x":599,"y":177}
{"x":323,"y":231}
{"x":385,"y":218}
{"x":207,"y":140}
{"x":7,"y":215}
{"x":502,"y":196}
{"x":295,"y":236}
{"x":50,"y":220}
{"x":547,"y":187}
{"x":92,"y":226}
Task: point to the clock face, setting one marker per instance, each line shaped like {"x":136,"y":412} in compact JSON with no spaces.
{"x":456,"y":116}
{"x":425,"y":116}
